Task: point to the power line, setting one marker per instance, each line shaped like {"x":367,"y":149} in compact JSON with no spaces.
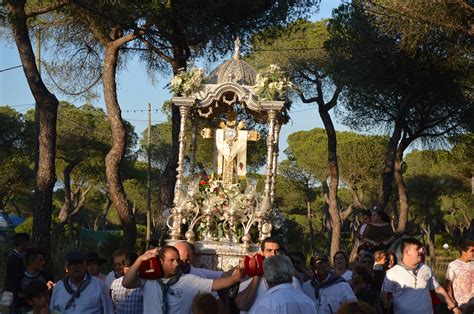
{"x":16,"y":106}
{"x":11,"y":68}
{"x":138,"y":110}
{"x":301,"y":110}
{"x":139,"y":120}
{"x":29,"y":106}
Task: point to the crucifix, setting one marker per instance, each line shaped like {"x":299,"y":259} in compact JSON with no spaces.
{"x":231,"y":143}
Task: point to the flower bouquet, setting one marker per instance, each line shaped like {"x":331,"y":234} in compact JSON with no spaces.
{"x":271,"y":83}
{"x":186,"y":83}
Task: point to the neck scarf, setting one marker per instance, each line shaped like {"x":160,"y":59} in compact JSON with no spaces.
{"x":165,"y":287}
{"x":331,"y":280}
{"x":75,"y":294}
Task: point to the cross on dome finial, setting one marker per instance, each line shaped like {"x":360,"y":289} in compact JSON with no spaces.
{"x":237,"y":46}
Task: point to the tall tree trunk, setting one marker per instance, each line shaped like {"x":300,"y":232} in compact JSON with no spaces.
{"x":395,"y":215}
{"x":431,"y":245}
{"x":429,"y":229}
{"x":47,"y":105}
{"x":114,"y":158}
{"x":389,"y":166}
{"x":103,"y":218}
{"x":66,"y":208}
{"x":334,"y":180}
{"x":310,"y":220}
{"x":170,"y":172}
{"x":472,"y":184}
{"x":402,"y":194}
{"x":401,"y":186}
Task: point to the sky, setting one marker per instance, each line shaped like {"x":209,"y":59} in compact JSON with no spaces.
{"x":135,"y":90}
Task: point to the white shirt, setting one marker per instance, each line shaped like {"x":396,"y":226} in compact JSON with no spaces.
{"x":208,"y":274}
{"x":261,"y":289}
{"x":330,"y":298}
{"x":461,"y":274}
{"x":283,"y":299}
{"x":180,"y":295}
{"x":205,"y":273}
{"x":347,"y":275}
{"x":110,"y":278}
{"x":94,"y":299}
{"x":411,"y":294}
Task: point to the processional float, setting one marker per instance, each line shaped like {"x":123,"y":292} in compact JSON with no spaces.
{"x":216,"y":213}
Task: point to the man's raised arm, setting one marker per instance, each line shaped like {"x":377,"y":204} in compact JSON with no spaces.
{"x":131,"y":279}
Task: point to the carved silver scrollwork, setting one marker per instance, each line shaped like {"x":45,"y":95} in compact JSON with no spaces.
{"x":231,"y":101}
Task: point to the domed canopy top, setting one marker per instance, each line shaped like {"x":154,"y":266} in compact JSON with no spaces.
{"x":235,"y":71}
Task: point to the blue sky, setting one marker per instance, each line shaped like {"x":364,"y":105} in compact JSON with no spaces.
{"x":135,"y":90}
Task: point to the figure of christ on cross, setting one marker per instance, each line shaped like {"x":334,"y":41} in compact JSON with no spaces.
{"x":231,"y":143}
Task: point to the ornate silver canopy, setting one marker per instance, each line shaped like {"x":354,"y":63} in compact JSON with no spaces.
{"x":234,"y":211}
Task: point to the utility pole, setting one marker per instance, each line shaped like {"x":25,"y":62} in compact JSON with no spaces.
{"x":148,"y":174}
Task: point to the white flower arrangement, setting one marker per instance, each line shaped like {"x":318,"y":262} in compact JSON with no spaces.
{"x":271,"y":83}
{"x":186,"y":83}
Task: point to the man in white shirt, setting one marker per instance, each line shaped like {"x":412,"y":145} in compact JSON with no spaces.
{"x":407,"y":285}
{"x":174,"y":292}
{"x":80,"y":292}
{"x":253,"y":288}
{"x":126,"y":301}
{"x":327,"y":290}
{"x":119,"y":260}
{"x":281,"y":297}
{"x":460,"y":276}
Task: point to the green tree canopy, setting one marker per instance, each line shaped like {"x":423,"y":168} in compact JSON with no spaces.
{"x":360,"y":160}
{"x":16,"y":155}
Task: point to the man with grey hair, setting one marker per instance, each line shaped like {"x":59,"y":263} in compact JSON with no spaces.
{"x":281,"y":297}
{"x":254,"y":287}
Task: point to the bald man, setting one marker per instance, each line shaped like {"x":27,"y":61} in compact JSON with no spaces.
{"x":186,"y":255}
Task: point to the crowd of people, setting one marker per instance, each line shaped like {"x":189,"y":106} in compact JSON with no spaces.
{"x":375,"y":282}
